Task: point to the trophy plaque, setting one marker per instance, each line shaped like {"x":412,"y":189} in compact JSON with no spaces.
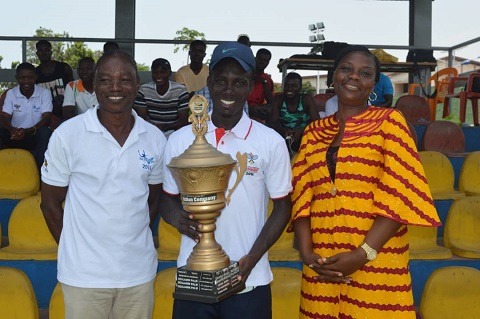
{"x":202,"y":174}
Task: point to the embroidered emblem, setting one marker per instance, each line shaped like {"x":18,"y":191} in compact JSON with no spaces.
{"x":251,"y":158}
{"x":36,"y":109}
{"x":147,"y":162}
{"x":16,"y":107}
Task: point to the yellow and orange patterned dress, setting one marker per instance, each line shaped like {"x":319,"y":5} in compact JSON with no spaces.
{"x":378,"y":172}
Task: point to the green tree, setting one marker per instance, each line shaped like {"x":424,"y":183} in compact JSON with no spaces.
{"x":308,"y":88}
{"x":187,"y":34}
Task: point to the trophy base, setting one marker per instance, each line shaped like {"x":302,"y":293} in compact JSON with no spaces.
{"x":207,"y":286}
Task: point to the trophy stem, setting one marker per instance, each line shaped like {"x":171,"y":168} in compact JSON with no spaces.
{"x":207,"y":253}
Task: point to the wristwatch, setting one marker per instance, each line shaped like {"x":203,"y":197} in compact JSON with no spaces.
{"x":371,"y":253}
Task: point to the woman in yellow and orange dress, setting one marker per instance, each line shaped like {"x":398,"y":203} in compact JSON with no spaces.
{"x":358,"y":181}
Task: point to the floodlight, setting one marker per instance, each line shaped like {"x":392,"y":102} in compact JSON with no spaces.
{"x":312,"y":27}
{"x":312,"y":38}
{"x":320,"y":25}
{"x":320,"y":37}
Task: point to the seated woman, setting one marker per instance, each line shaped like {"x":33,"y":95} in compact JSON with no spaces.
{"x":293,"y":111}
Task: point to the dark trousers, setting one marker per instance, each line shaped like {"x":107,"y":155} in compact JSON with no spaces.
{"x":255,"y":304}
{"x":37,"y":143}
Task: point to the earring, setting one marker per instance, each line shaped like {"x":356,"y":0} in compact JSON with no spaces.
{"x":374,"y":98}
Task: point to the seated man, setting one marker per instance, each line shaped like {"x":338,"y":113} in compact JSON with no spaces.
{"x":261,"y":98}
{"x":194,"y":75}
{"x":26,"y":114}
{"x":162,"y":102}
{"x":52,"y":75}
{"x":79,"y":94}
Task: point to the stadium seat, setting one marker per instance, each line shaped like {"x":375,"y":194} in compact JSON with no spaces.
{"x":440,"y":175}
{"x":444,"y":137}
{"x":1,"y":235}
{"x":414,"y":108}
{"x":413,"y":132}
{"x":28,"y":234}
{"x":56,"y":308}
{"x":451,"y":292}
{"x":283,"y":249}
{"x":286,"y":286}
{"x":164,"y":288}
{"x":17,"y":298}
{"x":19,"y":176}
{"x":423,"y":244}
{"x":168,"y":241}
{"x":469,"y":181}
{"x":463,"y":226}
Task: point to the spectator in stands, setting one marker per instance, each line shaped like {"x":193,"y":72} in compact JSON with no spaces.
{"x":261,"y":98}
{"x":110,"y":46}
{"x":79,"y":94}
{"x":162,"y":102}
{"x":194,"y":75}
{"x":292,"y":111}
{"x":244,"y":39}
{"x":26,"y":114}
{"x":243,"y":229}
{"x":382,"y":95}
{"x":106,"y":165}
{"x":358,"y":181}
{"x":52,"y":75}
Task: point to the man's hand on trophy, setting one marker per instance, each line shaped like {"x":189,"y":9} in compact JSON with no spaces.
{"x":188,"y":226}
{"x":246,"y":264}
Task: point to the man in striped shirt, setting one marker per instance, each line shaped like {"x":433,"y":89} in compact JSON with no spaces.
{"x":162,"y":102}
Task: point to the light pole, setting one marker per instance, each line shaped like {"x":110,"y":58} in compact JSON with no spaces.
{"x":318,"y":38}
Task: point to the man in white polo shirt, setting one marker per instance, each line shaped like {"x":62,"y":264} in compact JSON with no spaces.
{"x":107,"y":166}
{"x":26,"y":114}
{"x":243,"y":229}
{"x":79,"y":95}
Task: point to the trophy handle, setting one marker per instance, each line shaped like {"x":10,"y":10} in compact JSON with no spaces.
{"x":240,"y":169}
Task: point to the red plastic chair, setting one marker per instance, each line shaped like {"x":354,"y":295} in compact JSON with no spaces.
{"x":414,"y":108}
{"x":440,"y":81}
{"x":468,"y":94}
{"x":443,"y":136}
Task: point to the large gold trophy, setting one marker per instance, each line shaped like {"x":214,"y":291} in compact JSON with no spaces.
{"x":202,"y":174}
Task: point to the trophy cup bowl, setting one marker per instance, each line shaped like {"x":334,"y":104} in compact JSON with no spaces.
{"x":202,"y":174}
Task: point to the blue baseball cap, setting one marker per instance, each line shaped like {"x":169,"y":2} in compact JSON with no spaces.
{"x":240,"y":52}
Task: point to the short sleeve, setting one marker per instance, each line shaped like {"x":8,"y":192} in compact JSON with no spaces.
{"x":8,"y":103}
{"x":403,"y":193}
{"x":55,"y":169}
{"x":156,"y":176}
{"x":169,"y":183}
{"x":278,"y":177}
{"x":69,"y":96}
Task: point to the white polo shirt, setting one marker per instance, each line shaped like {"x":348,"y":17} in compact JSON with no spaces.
{"x":76,"y":95}
{"x":27,"y":112}
{"x":268,"y":174}
{"x":106,"y":241}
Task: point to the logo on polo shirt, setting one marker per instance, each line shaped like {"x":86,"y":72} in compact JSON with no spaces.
{"x":251,"y":170}
{"x":16,"y":107}
{"x":147,"y":162}
{"x":36,"y":109}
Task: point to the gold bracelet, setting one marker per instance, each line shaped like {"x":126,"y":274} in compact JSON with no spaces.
{"x":34,"y":130}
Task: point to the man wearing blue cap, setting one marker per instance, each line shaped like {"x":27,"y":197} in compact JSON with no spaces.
{"x":243,"y":229}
